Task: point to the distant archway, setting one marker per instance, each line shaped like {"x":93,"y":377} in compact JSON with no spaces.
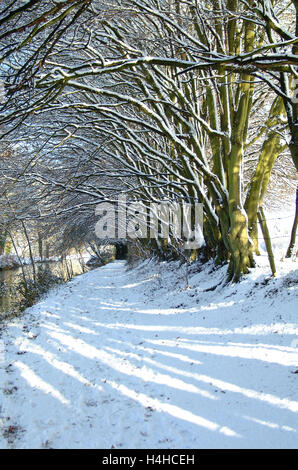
{"x":121,"y":250}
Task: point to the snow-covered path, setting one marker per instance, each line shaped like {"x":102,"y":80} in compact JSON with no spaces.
{"x":129,"y":359}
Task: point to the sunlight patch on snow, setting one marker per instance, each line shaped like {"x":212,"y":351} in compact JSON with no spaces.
{"x":270,"y":425}
{"x":261,"y":329}
{"x":54,"y":327}
{"x":112,"y":360}
{"x":174,"y":370}
{"x":118,"y":307}
{"x":49,"y":314}
{"x":289,"y":329}
{"x":135,"y":284}
{"x":213,"y":306}
{"x":126,"y":286}
{"x":162,"y":379}
{"x":246,"y":351}
{"x":115,"y":304}
{"x":80,"y":328}
{"x":181,"y":357}
{"x":36,"y":382}
{"x":172,"y":410}
{"x":176,"y":329}
{"x":263,"y":346}
{"x":266,"y":397}
{"x":79,"y":346}
{"x":166,"y":311}
{"x":64,"y":367}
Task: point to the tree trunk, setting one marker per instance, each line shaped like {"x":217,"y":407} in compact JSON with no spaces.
{"x":3,"y":236}
{"x":265,"y":231}
{"x":294,"y":230}
{"x":47,"y":251}
{"x":40,"y":245}
{"x":241,"y":247}
{"x":270,"y":151}
{"x":30,"y":253}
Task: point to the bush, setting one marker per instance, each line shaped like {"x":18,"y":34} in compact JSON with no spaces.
{"x":9,"y":261}
{"x":31,"y":291}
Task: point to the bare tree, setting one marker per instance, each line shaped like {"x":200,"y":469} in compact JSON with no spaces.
{"x":157,"y":99}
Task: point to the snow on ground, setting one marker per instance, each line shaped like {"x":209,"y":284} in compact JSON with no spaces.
{"x":159,"y":356}
{"x":155,"y":358}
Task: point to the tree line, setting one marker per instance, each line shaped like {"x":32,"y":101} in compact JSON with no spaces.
{"x":158,"y":100}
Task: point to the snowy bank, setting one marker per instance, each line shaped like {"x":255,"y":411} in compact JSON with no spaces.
{"x":155,"y":357}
